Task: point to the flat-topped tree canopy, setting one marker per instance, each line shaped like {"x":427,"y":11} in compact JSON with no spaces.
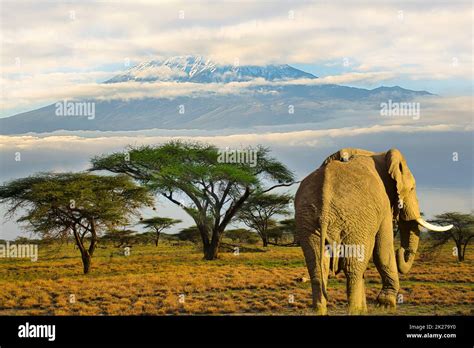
{"x":210,"y":187}
{"x":158,"y":224}
{"x":258,"y":212}
{"x":81,"y":204}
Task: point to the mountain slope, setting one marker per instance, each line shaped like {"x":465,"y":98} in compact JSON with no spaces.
{"x":258,"y":106}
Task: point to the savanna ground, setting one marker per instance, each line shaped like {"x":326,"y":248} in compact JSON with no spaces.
{"x":152,"y":279}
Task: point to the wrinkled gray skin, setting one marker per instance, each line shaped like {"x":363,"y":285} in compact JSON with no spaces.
{"x":352,"y":200}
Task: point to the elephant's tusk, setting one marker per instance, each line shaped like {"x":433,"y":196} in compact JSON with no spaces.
{"x":433,"y":227}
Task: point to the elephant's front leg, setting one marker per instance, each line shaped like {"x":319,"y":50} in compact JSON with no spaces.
{"x":384,"y":259}
{"x":310,"y":245}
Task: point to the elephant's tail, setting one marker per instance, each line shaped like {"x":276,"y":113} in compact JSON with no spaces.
{"x":322,"y":244}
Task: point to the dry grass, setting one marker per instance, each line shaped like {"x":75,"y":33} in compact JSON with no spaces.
{"x":152,"y":280}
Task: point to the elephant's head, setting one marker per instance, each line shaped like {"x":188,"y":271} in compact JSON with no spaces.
{"x":407,"y":210}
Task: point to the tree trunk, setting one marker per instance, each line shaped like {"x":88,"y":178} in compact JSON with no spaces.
{"x":92,"y":246}
{"x":211,"y":249}
{"x":464,"y":249}
{"x":86,"y":258}
{"x":461,"y":252}
{"x":94,"y":238}
{"x":86,"y":261}
{"x":157,"y":239}
{"x":86,"y":254}
{"x":265,"y":241}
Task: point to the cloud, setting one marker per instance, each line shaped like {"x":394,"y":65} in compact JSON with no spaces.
{"x":310,"y":138}
{"x":423,"y":41}
{"x":70,"y":86}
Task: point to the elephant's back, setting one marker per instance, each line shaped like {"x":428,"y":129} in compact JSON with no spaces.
{"x":343,"y":180}
{"x":355,"y":190}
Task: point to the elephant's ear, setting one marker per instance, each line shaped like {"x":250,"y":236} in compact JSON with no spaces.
{"x":396,"y":167}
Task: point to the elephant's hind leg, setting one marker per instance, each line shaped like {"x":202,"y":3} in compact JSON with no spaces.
{"x":354,"y":268}
{"x":356,"y":293}
{"x":310,"y":245}
{"x":384,"y":259}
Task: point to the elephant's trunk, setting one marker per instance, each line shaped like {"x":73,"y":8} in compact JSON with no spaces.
{"x":404,"y":263}
{"x":409,"y":238}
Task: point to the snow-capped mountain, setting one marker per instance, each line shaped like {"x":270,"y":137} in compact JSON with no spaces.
{"x":263,"y":105}
{"x":201,"y":70}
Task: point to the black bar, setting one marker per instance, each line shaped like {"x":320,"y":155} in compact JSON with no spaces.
{"x":219,"y":330}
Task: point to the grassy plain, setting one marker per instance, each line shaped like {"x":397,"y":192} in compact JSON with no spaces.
{"x":153,"y":280}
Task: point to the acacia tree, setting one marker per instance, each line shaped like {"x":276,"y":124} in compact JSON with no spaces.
{"x":258,"y":211}
{"x":274,"y":231}
{"x":288,"y":226}
{"x":194,"y":177}
{"x":461,"y":233}
{"x":190,"y":234}
{"x":242,"y":235}
{"x":120,"y":237}
{"x":81,"y":204}
{"x":158,"y":224}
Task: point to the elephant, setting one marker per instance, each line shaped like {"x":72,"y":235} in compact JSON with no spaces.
{"x":352,"y":200}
